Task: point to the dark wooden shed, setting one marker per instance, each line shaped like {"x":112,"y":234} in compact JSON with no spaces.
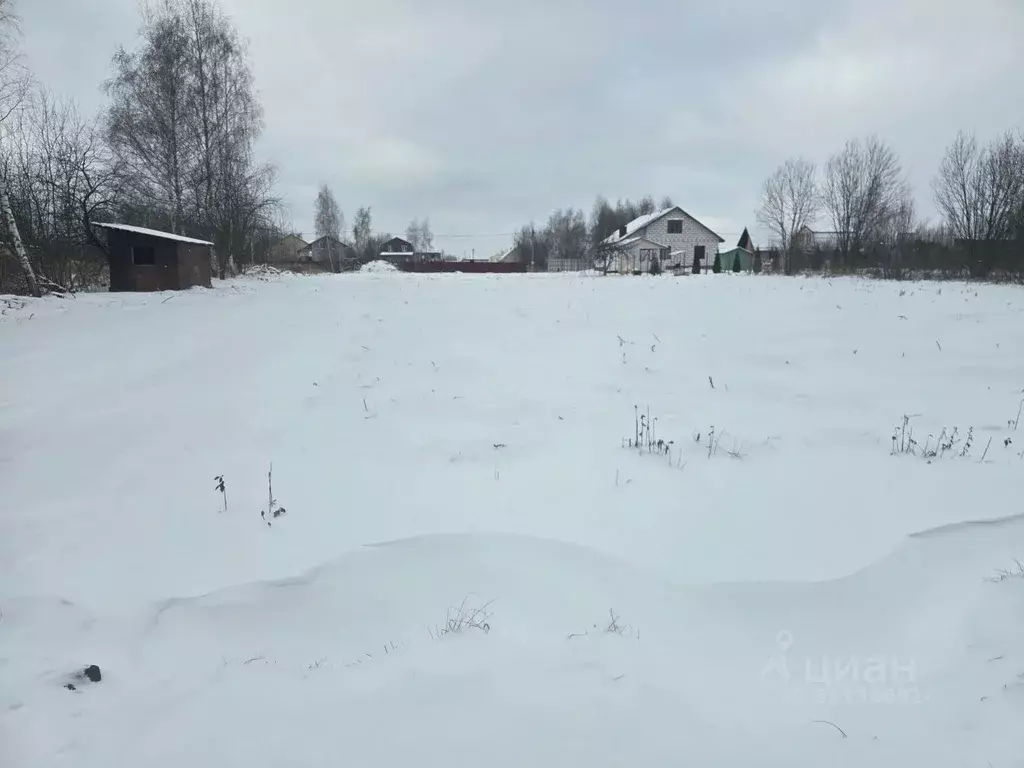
{"x":150,"y":260}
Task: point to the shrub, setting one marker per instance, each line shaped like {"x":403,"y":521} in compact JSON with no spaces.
{"x":717,"y":266}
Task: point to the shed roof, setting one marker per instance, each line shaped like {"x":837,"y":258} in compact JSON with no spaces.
{"x":152,"y":233}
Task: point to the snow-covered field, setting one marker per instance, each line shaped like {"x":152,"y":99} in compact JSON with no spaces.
{"x":794,"y":596}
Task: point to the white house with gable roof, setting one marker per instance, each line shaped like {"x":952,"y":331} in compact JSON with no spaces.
{"x":671,"y":235}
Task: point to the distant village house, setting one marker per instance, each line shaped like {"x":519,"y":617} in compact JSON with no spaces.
{"x":328,"y":254}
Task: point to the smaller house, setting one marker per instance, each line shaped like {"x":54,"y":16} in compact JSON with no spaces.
{"x":743,"y":251}
{"x":400,"y":251}
{"x":806,"y":239}
{"x":729,"y":258}
{"x":284,"y":253}
{"x":150,"y":260}
{"x":328,"y":254}
{"x":397,"y":246}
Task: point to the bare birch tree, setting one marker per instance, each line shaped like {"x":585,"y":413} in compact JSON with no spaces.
{"x":362,"y":232}
{"x":183,"y":121}
{"x":327,"y":220}
{"x":147,"y":124}
{"x":15,"y":81}
{"x":789,"y":200}
{"x":412,"y":234}
{"x":426,"y":236}
{"x":419,"y":234}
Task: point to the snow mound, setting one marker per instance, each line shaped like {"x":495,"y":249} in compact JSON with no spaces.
{"x":378,"y":267}
{"x":264,"y":272}
{"x":585,"y":660}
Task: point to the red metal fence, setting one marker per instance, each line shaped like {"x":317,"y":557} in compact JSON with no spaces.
{"x":468,"y":267}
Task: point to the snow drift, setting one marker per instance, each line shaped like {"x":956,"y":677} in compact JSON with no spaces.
{"x":786,"y":592}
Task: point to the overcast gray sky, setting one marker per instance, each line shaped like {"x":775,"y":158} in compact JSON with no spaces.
{"x":485,"y":114}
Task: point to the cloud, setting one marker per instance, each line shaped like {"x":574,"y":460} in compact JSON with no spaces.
{"x":392,"y":161}
{"x":484,"y":115}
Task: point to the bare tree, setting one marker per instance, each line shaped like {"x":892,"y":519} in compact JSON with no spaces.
{"x":412,"y":234}
{"x":980,"y":190}
{"x":60,"y":176}
{"x":863,"y":193}
{"x":362,"y":230}
{"x":418,"y":233}
{"x":147,"y":121}
{"x":789,"y":201}
{"x":327,"y":220}
{"x":426,"y":236}
{"x":15,"y":81}
{"x":182,"y":123}
{"x":566,"y":235}
{"x":232,"y":190}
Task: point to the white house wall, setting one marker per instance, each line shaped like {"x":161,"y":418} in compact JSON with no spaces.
{"x":693,"y":234}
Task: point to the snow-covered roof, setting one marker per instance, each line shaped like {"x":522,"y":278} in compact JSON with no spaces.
{"x":634,"y":240}
{"x":502,"y":255}
{"x":397,"y":253}
{"x":638,"y":223}
{"x":642,"y":221}
{"x":152,"y":233}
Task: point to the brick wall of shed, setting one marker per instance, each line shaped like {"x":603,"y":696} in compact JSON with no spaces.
{"x":193,"y":265}
{"x":125,"y":275}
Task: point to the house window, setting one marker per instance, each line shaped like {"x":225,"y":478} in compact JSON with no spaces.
{"x":143,"y":255}
{"x":675,"y":226}
{"x":648,"y":254}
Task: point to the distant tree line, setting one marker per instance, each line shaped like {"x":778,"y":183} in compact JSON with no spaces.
{"x":172,"y":149}
{"x":571,"y":236}
{"x":866,"y":203}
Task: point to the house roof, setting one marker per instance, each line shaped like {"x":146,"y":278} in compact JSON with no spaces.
{"x":643,"y":221}
{"x":502,"y":255}
{"x":151,"y":233}
{"x":807,"y":228}
{"x":309,"y":246}
{"x":635,"y":240}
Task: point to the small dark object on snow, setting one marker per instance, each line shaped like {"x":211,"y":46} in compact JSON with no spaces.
{"x":92,"y":672}
{"x":70,"y":687}
{"x":280,"y":511}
